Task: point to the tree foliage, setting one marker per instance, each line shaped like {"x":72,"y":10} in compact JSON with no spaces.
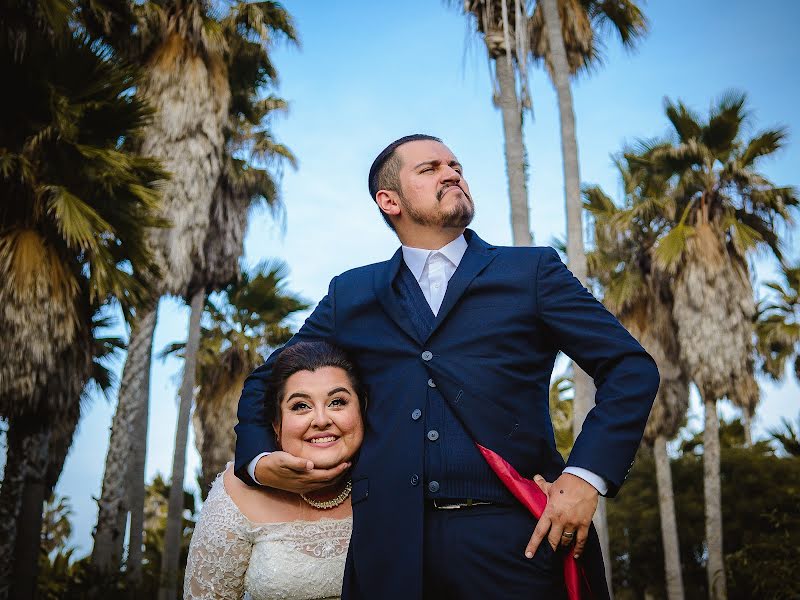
{"x":761,"y":530}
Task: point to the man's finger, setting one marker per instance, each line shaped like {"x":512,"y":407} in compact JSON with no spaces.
{"x":580,"y":544}
{"x":542,"y":527}
{"x":554,"y":537}
{"x":327,"y":475}
{"x":295,"y":463}
{"x":543,"y":484}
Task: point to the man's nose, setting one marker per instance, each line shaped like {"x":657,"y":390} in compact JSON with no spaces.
{"x":451,"y":175}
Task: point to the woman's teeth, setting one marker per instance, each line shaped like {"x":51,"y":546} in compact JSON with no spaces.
{"x":323,"y":440}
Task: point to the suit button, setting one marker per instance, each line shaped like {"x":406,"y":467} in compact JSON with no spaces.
{"x":427,"y":355}
{"x":416,"y":414}
{"x":433,"y":487}
{"x":431,"y":383}
{"x":414,"y":479}
{"x":433,"y":435}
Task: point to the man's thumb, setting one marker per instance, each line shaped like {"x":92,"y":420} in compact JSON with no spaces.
{"x":540,"y":481}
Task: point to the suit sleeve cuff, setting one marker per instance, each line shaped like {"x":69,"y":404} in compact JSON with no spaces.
{"x":595,"y":480}
{"x":251,"y":468}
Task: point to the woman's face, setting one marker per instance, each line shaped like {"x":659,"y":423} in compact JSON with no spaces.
{"x":320,"y":417}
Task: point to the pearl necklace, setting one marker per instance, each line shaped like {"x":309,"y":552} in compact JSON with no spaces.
{"x":333,"y":502}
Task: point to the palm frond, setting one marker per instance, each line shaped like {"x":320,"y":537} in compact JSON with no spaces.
{"x":670,"y":249}
{"x":763,"y":144}
{"x":685,"y":121}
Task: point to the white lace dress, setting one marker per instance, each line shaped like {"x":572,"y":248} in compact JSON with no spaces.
{"x":233,"y":558}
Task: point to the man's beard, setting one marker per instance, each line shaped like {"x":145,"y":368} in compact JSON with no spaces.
{"x":459,"y":216}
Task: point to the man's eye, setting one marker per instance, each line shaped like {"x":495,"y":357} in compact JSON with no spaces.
{"x":427,"y":170}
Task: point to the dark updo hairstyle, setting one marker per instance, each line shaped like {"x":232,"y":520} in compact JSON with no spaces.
{"x":308,"y":356}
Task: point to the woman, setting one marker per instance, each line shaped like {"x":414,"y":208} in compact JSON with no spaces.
{"x":276,"y":544}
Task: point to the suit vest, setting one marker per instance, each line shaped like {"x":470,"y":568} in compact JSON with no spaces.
{"x":453,"y":467}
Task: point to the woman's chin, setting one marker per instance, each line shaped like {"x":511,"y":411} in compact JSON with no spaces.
{"x":326,"y":460}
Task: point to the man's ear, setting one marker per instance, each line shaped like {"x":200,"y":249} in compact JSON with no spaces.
{"x":388,"y":201}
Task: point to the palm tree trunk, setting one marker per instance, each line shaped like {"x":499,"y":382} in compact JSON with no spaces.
{"x":712,"y":488}
{"x":584,"y":387}
{"x":747,"y":424}
{"x":172,"y":536}
{"x":128,"y":440}
{"x":669,"y":527}
{"x":21,"y":502}
{"x":514,"y":151}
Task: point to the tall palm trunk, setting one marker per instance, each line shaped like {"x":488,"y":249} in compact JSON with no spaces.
{"x":747,"y":424}
{"x":712,"y":492}
{"x":514,"y":151}
{"x":172,"y":537}
{"x":136,"y":493}
{"x":126,"y":446}
{"x":20,"y":515}
{"x":669,"y":527}
{"x":29,"y":523}
{"x":584,"y":387}
{"x":191,"y":96}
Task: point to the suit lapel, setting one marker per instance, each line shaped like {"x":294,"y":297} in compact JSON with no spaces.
{"x":477,"y":257}
{"x":388,"y":299}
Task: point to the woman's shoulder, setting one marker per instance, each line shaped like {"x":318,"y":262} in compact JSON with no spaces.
{"x":259,"y":505}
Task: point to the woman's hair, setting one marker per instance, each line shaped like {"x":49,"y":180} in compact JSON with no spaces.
{"x":308,"y":356}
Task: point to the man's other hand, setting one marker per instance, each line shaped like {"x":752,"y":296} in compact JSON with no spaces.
{"x":571,"y":503}
{"x":285,"y":471}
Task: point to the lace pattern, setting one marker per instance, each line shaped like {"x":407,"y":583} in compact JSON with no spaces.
{"x":298,"y":560}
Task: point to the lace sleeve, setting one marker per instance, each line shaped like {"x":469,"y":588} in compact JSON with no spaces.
{"x":219,"y":552}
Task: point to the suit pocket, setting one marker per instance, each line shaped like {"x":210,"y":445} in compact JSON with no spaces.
{"x":360,"y":491}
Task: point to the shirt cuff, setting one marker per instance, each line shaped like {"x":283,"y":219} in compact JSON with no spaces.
{"x":251,"y":468}
{"x":595,"y":480}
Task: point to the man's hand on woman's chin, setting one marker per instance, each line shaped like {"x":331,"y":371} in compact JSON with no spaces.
{"x":285,"y":471}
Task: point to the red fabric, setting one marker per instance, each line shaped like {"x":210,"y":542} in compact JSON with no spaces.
{"x":535,"y":500}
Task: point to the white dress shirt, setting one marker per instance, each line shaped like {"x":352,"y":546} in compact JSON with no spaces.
{"x":433,"y":269}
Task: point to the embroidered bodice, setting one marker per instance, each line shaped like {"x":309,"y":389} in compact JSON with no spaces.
{"x":296,"y":560}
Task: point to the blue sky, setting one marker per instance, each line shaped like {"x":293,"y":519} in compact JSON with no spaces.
{"x":369,"y":72}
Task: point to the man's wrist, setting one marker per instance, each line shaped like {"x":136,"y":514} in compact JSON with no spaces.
{"x":251,"y":467}
{"x":592,"y":479}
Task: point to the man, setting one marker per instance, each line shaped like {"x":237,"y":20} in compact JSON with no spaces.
{"x":456,"y":341}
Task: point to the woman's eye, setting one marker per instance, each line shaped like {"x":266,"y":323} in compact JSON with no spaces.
{"x":299,"y":406}
{"x":338,"y":402}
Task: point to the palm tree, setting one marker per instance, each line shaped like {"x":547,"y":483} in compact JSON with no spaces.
{"x":778,"y":326}
{"x":244,"y":322}
{"x":621,"y":266}
{"x":566,"y":35}
{"x":560,"y":401}
{"x":76,"y":203}
{"x":186,"y":49}
{"x":246,"y":181}
{"x":505,"y":32}
{"x":720,"y":208}
{"x":788,"y":437}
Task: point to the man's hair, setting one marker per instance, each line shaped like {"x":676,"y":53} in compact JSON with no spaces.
{"x":308,"y":356}
{"x":384,"y":174}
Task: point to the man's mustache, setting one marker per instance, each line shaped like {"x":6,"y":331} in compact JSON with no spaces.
{"x":443,"y":191}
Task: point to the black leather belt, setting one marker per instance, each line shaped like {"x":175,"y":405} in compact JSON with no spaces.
{"x":455,"y":503}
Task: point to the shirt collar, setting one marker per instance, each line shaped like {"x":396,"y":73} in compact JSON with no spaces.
{"x":416,"y":258}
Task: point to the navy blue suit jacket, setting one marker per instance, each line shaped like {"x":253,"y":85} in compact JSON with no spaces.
{"x":506,"y":314}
